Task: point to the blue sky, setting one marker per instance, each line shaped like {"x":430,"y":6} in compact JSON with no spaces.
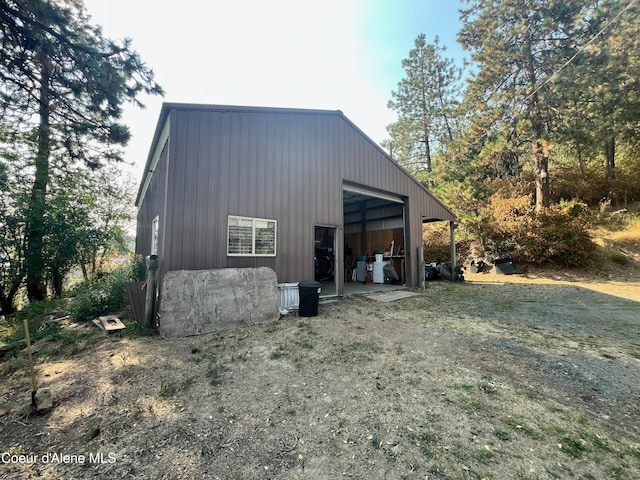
{"x":334,"y":54}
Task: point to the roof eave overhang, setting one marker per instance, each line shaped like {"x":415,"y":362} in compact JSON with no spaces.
{"x":159,"y":139}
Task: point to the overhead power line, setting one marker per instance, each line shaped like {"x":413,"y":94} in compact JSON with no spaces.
{"x":584,"y":47}
{"x":568,"y":62}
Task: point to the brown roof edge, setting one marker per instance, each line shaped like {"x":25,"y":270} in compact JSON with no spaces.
{"x":248,"y":108}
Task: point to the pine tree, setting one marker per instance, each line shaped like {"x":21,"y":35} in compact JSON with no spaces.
{"x":515,"y":47}
{"x":603,"y":80}
{"x":65,"y":84}
{"x":426,"y":101}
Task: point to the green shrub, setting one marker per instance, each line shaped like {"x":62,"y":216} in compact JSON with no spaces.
{"x":137,"y":269}
{"x":37,"y":309}
{"x":620,"y":259}
{"x":553,"y":237}
{"x":12,"y":329}
{"x":557,"y":235}
{"x":576,"y":209}
{"x":101,"y":296}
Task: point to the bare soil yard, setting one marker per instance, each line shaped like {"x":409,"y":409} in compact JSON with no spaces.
{"x":524,"y":379}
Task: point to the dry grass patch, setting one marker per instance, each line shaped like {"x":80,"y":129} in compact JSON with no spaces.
{"x":461,"y":381}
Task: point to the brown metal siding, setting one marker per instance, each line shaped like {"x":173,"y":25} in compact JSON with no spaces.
{"x":280,"y":164}
{"x":152,"y":206}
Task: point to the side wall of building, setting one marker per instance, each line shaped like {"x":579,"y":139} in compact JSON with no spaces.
{"x":153,"y":206}
{"x":283,"y":165}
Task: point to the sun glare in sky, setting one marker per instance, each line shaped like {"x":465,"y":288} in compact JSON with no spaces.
{"x":335,"y":55}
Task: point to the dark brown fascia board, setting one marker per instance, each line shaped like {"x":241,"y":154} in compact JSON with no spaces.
{"x":168,"y":106}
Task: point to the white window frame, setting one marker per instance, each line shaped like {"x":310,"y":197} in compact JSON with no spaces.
{"x":155,"y":234}
{"x":255,"y":225}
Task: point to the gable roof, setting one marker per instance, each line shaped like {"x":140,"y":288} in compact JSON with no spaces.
{"x":162,"y":129}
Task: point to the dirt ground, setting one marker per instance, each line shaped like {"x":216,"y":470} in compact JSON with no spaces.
{"x":498,"y":377}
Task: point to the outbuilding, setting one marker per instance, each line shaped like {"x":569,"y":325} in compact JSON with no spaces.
{"x":304,"y":192}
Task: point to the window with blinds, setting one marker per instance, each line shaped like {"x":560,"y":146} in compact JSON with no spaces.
{"x":251,"y":237}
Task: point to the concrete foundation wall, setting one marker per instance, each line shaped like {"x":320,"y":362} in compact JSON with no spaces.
{"x":196,"y":302}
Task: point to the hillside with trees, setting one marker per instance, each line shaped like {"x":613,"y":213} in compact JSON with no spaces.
{"x":63,"y":88}
{"x":536,"y":138}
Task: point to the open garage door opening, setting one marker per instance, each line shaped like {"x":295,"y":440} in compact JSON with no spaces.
{"x":325,"y":259}
{"x":374,"y":238}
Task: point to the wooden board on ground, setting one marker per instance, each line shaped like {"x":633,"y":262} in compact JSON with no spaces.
{"x":391,"y":296}
{"x":109,"y":323}
{"x":4,"y":348}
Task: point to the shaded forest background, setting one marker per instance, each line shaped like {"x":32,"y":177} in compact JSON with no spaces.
{"x":535,"y":136}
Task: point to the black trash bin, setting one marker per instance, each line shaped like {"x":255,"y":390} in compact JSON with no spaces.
{"x":309,"y":292}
